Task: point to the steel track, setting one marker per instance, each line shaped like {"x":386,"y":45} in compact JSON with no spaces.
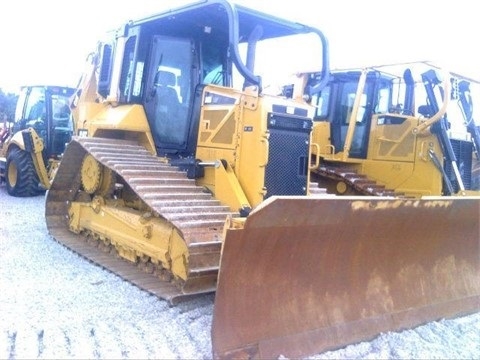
{"x":169,"y":195}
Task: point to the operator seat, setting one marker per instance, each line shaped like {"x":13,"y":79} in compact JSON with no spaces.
{"x":165,"y":95}
{"x":167,"y":107}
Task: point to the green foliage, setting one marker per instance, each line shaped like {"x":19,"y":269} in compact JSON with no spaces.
{"x":7,"y":106}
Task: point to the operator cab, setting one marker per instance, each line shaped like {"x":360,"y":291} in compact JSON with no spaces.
{"x":46,"y":109}
{"x":168,"y":59}
{"x":335,"y":104}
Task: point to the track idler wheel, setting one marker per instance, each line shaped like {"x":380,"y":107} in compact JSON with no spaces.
{"x":96,"y":178}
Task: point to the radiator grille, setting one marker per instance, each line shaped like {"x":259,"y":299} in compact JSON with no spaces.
{"x":287,"y":169}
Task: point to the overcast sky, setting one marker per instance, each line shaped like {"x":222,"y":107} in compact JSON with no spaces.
{"x":47,"y":41}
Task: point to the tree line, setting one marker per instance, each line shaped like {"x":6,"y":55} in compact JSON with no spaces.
{"x":8,"y":101}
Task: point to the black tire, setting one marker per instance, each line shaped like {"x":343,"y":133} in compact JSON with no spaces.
{"x":20,"y":175}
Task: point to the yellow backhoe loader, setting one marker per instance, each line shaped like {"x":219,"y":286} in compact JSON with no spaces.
{"x":181,"y":156}
{"x":34,"y":143}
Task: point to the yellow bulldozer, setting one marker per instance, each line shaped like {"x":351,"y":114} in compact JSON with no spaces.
{"x":397,"y":244}
{"x":370,"y":125}
{"x":32,"y":146}
{"x":189,"y":175}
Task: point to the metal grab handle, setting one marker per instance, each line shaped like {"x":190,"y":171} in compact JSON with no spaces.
{"x":317,"y":157}
{"x":267,"y":147}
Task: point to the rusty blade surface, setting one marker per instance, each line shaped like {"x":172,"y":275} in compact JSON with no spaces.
{"x":310,"y":275}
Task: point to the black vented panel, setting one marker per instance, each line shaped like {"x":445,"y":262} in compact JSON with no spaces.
{"x":287,"y":169}
{"x":463,"y":152}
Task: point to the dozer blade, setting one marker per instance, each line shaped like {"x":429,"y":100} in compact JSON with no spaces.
{"x":307,"y":275}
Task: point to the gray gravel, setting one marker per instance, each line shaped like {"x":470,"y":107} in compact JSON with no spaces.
{"x":56,"y":305}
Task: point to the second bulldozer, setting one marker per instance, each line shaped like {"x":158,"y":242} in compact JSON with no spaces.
{"x":181,"y":155}
{"x":402,"y":130}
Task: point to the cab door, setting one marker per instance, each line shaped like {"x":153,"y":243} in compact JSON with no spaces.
{"x":169,"y":92}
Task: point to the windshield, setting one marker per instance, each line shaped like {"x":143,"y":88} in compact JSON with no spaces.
{"x":278,"y":60}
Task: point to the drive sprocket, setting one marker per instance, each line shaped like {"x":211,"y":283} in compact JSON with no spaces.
{"x":96,"y":178}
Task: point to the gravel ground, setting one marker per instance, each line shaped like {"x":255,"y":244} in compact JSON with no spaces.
{"x":56,"y":305}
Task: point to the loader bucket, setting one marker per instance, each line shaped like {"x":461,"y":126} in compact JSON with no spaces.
{"x":307,"y":275}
